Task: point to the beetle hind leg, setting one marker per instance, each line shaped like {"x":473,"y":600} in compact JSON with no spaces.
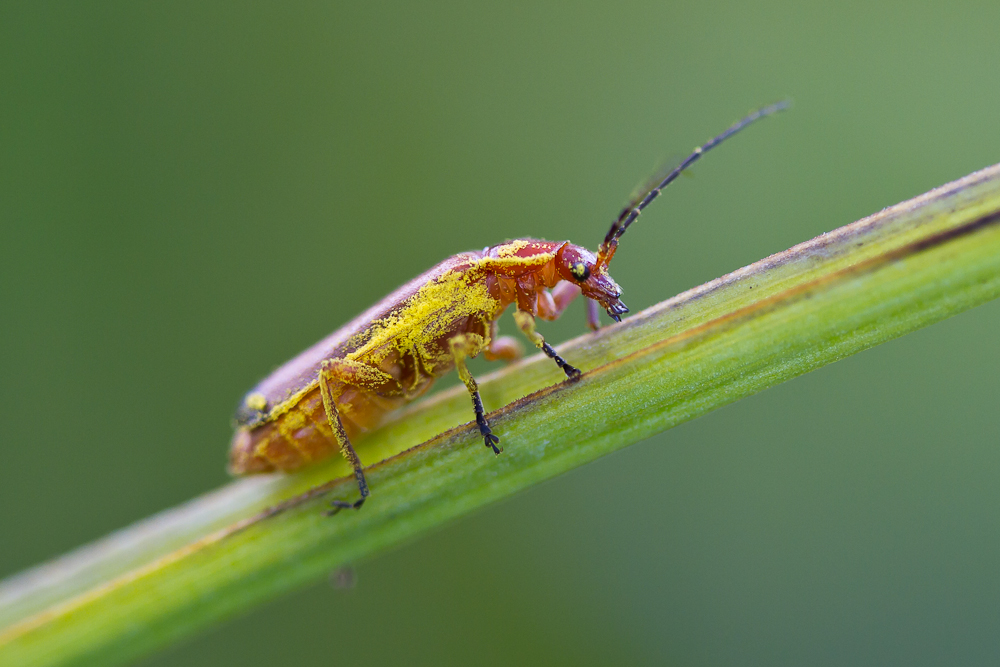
{"x":489,"y":438}
{"x":463,"y":346}
{"x":326,"y":375}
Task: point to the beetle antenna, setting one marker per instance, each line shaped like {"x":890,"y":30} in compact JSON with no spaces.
{"x":630,"y":213}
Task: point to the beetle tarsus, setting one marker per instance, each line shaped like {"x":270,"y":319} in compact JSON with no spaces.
{"x":489,"y":438}
{"x":571,"y":371}
{"x":337,"y":505}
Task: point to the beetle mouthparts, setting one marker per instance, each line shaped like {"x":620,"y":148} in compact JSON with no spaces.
{"x":616,"y":309}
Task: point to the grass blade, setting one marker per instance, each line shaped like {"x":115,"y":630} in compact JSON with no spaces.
{"x":173,"y":574}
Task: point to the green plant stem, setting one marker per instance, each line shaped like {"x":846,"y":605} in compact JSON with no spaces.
{"x":840,"y":293}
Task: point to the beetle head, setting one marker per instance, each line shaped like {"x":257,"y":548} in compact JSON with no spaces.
{"x":581,"y":267}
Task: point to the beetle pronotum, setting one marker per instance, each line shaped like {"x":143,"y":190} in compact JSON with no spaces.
{"x":343,"y":385}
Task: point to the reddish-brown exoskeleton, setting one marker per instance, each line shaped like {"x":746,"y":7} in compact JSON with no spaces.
{"x":344,"y":385}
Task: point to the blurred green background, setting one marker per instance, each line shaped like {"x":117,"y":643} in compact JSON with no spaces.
{"x":192,"y":193}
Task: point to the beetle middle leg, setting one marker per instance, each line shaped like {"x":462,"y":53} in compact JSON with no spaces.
{"x":526,"y":322}
{"x":506,"y":348}
{"x":468,"y":345}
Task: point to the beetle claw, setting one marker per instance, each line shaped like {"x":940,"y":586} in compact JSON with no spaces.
{"x":492,"y":441}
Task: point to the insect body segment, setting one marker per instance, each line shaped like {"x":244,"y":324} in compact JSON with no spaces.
{"x":343,"y":386}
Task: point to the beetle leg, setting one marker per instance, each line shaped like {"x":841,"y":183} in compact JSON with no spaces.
{"x":552,"y":303}
{"x":563,"y":294}
{"x":503,"y":347}
{"x":337,"y":426}
{"x":462,"y":346}
{"x":506,"y":348}
{"x":526,"y":322}
{"x":593,"y":315}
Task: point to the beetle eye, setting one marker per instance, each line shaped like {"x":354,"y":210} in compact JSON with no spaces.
{"x":580,"y":271}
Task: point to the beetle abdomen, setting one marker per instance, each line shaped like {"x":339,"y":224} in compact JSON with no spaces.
{"x":302,"y":435}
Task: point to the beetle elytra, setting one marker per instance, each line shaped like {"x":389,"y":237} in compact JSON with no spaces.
{"x":345,"y":384}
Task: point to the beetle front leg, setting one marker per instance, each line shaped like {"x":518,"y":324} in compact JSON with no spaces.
{"x":593,"y":315}
{"x":526,"y":322}
{"x":462,"y":346}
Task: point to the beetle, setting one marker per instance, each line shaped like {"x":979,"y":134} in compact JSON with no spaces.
{"x":345,"y":384}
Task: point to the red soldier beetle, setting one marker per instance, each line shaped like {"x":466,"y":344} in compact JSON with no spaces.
{"x":345,"y":384}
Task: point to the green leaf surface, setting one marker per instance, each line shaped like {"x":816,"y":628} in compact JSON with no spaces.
{"x":180,"y":571}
